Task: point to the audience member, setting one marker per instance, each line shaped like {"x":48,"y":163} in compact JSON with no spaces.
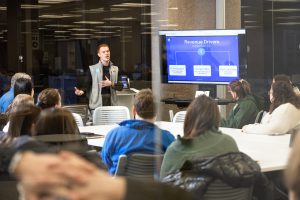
{"x":201,"y":136}
{"x":292,"y":172}
{"x":247,"y":87}
{"x":8,"y":97}
{"x":66,"y":176}
{"x":138,"y":135}
{"x":55,"y":121}
{"x":286,"y":78}
{"x":284,"y":112}
{"x":23,"y":86}
{"x":21,"y":120}
{"x":245,"y":110}
{"x":19,"y":99}
{"x":48,"y":98}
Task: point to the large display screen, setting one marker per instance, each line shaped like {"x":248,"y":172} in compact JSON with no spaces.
{"x":202,"y":56}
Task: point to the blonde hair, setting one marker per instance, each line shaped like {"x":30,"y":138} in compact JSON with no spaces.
{"x":20,"y":99}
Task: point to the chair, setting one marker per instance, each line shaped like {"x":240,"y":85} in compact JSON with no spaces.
{"x":259,"y":116}
{"x":106,"y":115}
{"x":80,"y":109}
{"x":219,"y":190}
{"x":179,"y":117}
{"x":144,"y":167}
{"x":78,"y":119}
{"x":8,"y":187}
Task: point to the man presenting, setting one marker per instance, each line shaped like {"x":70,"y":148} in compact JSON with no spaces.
{"x":102,"y":79}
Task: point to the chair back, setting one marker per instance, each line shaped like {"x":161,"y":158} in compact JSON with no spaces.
{"x":81,"y":109}
{"x":144,"y":167}
{"x":106,"y":115}
{"x":219,"y":190}
{"x":8,"y":188}
{"x":78,"y":119}
{"x":179,"y":117}
{"x":259,"y":116}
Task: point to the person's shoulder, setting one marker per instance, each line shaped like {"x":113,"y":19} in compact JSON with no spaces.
{"x":95,"y":65}
{"x":168,"y":134}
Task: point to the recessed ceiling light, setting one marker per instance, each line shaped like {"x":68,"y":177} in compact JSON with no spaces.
{"x":49,"y":16}
{"x":288,"y":23}
{"x":119,"y":18}
{"x":173,"y":8}
{"x":104,"y":32}
{"x":169,"y":25}
{"x":61,"y":25}
{"x":88,"y":22}
{"x":133,"y":5}
{"x":284,"y":10}
{"x":61,"y":31}
{"x":56,"y":1}
{"x":33,"y":6}
{"x":81,"y":34}
{"x":94,"y":10}
{"x":81,"y":29}
{"x":150,"y":14}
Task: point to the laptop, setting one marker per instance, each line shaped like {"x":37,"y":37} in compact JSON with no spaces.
{"x":126,"y":84}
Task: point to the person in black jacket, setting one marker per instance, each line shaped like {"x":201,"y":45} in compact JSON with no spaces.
{"x":67,"y":176}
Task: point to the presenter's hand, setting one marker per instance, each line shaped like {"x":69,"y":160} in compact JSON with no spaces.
{"x":78,"y":92}
{"x":105,"y":83}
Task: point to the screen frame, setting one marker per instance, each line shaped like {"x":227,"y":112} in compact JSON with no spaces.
{"x":242,"y":51}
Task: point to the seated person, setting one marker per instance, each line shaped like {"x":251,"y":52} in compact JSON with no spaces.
{"x":201,"y":136}
{"x":284,"y":112}
{"x":285,"y":78}
{"x":48,"y":98}
{"x":19,"y":99}
{"x":7,"y":98}
{"x":136,"y":136}
{"x":292,"y":172}
{"x":67,"y":176}
{"x":245,"y":110}
{"x":55,"y":121}
{"x":21,"y":120}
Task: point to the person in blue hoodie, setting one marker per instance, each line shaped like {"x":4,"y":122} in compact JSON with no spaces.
{"x":137,"y":135}
{"x":7,"y":98}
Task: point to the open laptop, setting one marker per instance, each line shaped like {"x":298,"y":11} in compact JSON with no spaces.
{"x":126,"y":84}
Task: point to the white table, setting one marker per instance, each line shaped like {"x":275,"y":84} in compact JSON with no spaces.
{"x":271,"y":152}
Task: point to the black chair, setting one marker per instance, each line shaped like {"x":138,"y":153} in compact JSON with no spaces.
{"x":219,"y":190}
{"x":259,"y":116}
{"x":144,"y":167}
{"x":81,"y":109}
{"x":8,"y":187}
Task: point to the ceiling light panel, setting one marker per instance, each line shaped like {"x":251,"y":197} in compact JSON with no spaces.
{"x":49,"y":16}
{"x":88,"y":22}
{"x":132,"y":5}
{"x":33,"y":6}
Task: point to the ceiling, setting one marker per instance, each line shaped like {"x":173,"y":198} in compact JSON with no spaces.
{"x":88,"y":19}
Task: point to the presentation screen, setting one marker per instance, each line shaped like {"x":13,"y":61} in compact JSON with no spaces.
{"x":201,"y":56}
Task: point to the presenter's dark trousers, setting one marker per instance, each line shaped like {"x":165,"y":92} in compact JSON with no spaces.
{"x":106,"y":100}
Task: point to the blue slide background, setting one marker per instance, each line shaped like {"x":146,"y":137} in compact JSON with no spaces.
{"x":214,"y":55}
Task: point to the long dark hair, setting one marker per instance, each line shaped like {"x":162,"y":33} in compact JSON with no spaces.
{"x":283,"y":93}
{"x":202,"y":114}
{"x":23,"y":86}
{"x":55,"y":121}
{"x":21,"y":119}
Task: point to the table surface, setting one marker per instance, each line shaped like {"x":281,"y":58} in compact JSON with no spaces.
{"x":271,"y":152}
